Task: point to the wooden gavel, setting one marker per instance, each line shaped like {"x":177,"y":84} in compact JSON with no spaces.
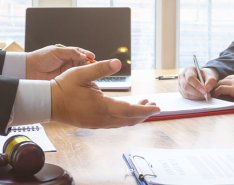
{"x":25,"y":156}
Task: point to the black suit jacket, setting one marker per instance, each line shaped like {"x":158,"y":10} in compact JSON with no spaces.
{"x":224,"y":64}
{"x":8,"y":89}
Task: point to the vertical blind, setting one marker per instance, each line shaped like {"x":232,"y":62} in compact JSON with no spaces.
{"x":12,"y":20}
{"x":206,"y":29}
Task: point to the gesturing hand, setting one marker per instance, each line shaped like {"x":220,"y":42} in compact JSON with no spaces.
{"x":78,"y":101}
{"x":50,"y":61}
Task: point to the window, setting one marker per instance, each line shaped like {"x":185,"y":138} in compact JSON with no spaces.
{"x":143,"y":28}
{"x":206,"y":29}
{"x":12,"y":19}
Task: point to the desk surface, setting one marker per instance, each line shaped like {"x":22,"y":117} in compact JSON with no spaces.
{"x":94,"y":157}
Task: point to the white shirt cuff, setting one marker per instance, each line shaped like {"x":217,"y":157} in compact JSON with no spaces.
{"x":32,"y":103}
{"x":15,"y":65}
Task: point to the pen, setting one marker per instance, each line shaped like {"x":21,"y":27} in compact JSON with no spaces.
{"x":166,"y":77}
{"x":90,"y":61}
{"x":199,"y":74}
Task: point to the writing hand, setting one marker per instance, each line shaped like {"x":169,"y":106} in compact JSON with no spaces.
{"x":190,"y":86}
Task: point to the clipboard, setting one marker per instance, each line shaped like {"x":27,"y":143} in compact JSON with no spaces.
{"x":155,"y":166}
{"x":131,"y":161}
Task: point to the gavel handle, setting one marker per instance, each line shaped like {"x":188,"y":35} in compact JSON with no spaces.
{"x":3,"y":160}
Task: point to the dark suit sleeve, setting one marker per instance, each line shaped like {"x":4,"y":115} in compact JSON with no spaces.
{"x":8,"y":89}
{"x":2,"y":59}
{"x":224,"y":64}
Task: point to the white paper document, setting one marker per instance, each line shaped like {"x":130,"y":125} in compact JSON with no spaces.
{"x":35,"y":132}
{"x":184,"y":167}
{"x":174,"y":103}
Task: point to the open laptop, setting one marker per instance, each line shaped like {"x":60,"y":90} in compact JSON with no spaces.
{"x":104,"y":31}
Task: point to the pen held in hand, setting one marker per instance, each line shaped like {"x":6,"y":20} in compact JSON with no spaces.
{"x":90,"y":61}
{"x":199,"y":74}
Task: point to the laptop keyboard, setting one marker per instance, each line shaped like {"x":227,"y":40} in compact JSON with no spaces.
{"x":113,"y":79}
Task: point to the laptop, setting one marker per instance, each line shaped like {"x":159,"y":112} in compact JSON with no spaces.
{"x":104,"y":31}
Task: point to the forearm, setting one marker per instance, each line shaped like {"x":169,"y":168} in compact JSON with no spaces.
{"x":14,"y":65}
{"x":8,"y":88}
{"x":224,"y":64}
{"x":32,"y":103}
{"x":2,"y":59}
{"x":23,"y":102}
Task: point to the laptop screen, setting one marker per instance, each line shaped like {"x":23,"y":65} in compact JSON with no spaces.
{"x":104,"y":31}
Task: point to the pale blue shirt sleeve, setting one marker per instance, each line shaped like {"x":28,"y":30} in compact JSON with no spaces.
{"x":15,"y":65}
{"x":33,"y":98}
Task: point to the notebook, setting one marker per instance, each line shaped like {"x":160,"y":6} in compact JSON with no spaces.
{"x":104,"y":31}
{"x":155,"y":166}
{"x":35,"y":132}
{"x":174,"y":106}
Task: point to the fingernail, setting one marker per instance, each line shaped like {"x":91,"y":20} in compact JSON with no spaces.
{"x":115,"y":64}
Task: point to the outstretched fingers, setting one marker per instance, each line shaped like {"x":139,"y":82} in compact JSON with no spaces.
{"x":126,"y":110}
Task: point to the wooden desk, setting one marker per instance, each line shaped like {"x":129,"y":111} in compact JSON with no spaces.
{"x":94,"y":157}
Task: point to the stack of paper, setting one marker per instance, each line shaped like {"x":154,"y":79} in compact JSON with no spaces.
{"x":173,"y":105}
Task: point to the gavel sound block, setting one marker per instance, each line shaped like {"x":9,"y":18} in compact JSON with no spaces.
{"x":23,"y":163}
{"x":49,"y":175}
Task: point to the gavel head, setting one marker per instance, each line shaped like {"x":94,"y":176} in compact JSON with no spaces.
{"x":25,"y":156}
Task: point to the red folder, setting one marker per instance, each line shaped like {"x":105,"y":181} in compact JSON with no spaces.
{"x":174,"y":106}
{"x":189,"y":115}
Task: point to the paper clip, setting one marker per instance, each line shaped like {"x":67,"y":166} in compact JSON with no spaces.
{"x":141,"y":175}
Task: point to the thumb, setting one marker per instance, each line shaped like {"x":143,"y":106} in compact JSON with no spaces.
{"x":99,"y":70}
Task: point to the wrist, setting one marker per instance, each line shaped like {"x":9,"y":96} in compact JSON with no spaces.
{"x":28,"y":66}
{"x":32,"y":102}
{"x":214,"y":73}
{"x":57,"y":102}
